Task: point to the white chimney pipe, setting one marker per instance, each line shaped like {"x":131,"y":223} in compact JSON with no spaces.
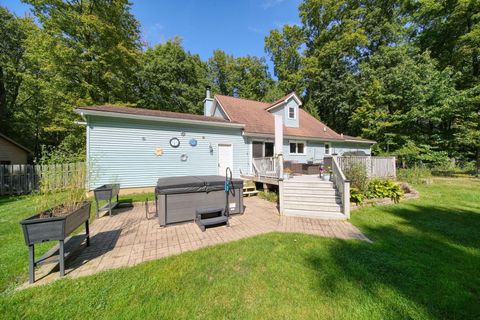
{"x":208,"y":92}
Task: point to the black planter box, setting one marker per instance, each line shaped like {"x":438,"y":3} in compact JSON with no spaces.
{"x":106,"y":192}
{"x":36,"y":230}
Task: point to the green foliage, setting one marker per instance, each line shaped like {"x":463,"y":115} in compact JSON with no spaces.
{"x":82,"y":52}
{"x":414,"y":174}
{"x":172,"y":79}
{"x":357,"y":174}
{"x":357,"y":196}
{"x":245,"y":77}
{"x":268,"y":195}
{"x":284,"y":49}
{"x":378,"y":188}
{"x":406,"y":74}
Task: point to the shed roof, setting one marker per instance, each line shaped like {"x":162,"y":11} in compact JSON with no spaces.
{"x":15,"y":143}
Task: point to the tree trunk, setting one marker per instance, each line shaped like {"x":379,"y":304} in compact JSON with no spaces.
{"x":3,"y":101}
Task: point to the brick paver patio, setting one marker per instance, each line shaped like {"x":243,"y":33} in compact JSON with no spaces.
{"x":128,"y":237}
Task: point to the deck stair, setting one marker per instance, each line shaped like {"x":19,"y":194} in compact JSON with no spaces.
{"x":309,"y":196}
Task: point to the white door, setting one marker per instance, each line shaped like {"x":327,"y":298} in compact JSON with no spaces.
{"x":225,"y":158}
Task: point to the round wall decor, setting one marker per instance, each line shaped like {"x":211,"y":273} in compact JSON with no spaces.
{"x":174,"y":142}
{"x":158,"y":152}
{"x":184,"y":157}
{"x":193,"y":142}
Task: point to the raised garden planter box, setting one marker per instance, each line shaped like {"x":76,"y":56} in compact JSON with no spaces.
{"x":106,"y":193}
{"x":37,"y":230}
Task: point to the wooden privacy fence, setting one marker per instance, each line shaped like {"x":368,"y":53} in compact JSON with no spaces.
{"x":25,"y":178}
{"x":376,"y":167}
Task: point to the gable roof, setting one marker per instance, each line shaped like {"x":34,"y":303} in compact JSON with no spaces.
{"x":284,"y":99}
{"x":258,"y":120}
{"x":252,"y":116}
{"x":15,"y":143}
{"x":151,"y":114}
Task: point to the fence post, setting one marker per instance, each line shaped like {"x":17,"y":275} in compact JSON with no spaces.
{"x":346,"y":199}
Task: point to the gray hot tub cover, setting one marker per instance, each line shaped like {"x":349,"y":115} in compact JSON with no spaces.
{"x":190,"y":184}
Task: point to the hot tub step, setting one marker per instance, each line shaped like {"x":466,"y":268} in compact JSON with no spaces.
{"x":210,"y":217}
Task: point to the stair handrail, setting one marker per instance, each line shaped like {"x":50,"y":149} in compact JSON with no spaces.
{"x":343,"y":186}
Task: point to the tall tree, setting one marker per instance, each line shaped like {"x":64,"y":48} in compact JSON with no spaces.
{"x":172,"y":78}
{"x":284,"y":48}
{"x":100,"y":43}
{"x":245,"y":77}
{"x":12,"y":49}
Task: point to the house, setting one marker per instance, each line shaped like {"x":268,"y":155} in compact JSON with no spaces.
{"x":134,"y":146}
{"x":11,"y":152}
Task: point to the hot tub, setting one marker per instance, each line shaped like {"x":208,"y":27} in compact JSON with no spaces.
{"x":177,"y":198}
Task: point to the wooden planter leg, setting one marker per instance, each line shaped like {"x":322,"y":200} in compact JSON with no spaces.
{"x":31,"y":263}
{"x":61,"y":259}
{"x":87,"y":231}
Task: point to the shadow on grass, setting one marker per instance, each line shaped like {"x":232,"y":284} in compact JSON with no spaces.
{"x":12,"y":198}
{"x":432,"y":259}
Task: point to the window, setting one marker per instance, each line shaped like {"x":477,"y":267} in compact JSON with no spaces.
{"x":269,"y":149}
{"x":257,"y":149}
{"x":5,"y":162}
{"x":262,"y":149}
{"x":327,"y":148}
{"x":297,"y":147}
{"x":291,"y":113}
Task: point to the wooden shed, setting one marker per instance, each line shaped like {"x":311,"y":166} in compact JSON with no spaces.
{"x":11,"y":152}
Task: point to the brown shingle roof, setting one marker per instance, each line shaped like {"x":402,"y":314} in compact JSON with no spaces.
{"x":153,"y":113}
{"x":258,"y":120}
{"x":252,"y":114}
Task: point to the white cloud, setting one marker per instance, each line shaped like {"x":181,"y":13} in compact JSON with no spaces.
{"x":154,"y":34}
{"x":266,"y":4}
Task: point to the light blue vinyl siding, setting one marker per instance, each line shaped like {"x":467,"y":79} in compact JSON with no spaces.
{"x":219,"y":113}
{"x":283,"y":111}
{"x":123,"y":150}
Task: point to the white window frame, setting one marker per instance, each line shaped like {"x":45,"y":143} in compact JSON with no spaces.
{"x":329,"y":148}
{"x":296,"y":153}
{"x":294,"y":113}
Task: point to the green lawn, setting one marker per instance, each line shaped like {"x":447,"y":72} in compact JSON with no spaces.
{"x":424,"y":264}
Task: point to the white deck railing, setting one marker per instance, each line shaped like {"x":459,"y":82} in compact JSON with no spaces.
{"x":376,"y":167}
{"x":266,"y":167}
{"x":342,"y":185}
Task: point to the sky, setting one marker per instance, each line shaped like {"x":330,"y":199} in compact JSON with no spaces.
{"x":237,"y":27}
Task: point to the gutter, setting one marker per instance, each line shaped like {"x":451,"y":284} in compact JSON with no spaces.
{"x":84,"y":112}
{"x":267,"y":135}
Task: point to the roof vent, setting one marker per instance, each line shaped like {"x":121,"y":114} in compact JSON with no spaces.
{"x":341,"y":135}
{"x":325,"y":129}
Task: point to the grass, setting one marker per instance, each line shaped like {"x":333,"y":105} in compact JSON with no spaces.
{"x":13,"y":251}
{"x":423,"y":264}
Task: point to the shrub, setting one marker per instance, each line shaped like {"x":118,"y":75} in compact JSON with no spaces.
{"x":357,"y":174}
{"x":356,"y":196}
{"x":268,"y":195}
{"x":384,"y":189}
{"x":414,"y":174}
